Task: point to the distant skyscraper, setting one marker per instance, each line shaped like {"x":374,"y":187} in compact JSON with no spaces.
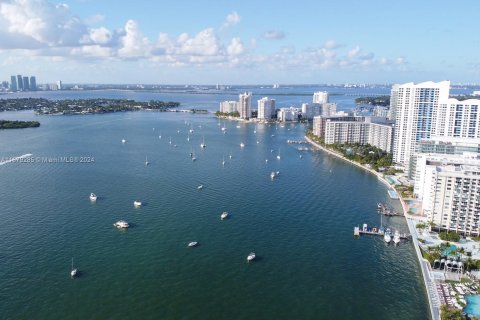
{"x":415,"y":107}
{"x":33,"y":83}
{"x":20,"y":82}
{"x":13,"y":83}
{"x":26,"y":84}
{"x":320,"y":97}
{"x":59,"y":85}
{"x":244,"y":105}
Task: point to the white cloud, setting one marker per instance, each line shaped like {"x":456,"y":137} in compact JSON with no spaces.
{"x":231,"y":20}
{"x":274,"y":35}
{"x":235,"y":47}
{"x":134,"y":44}
{"x":353,"y":52}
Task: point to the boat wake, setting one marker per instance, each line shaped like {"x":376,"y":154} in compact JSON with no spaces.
{"x":15,"y":159}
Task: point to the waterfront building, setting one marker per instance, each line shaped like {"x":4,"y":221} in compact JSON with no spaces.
{"x":13,"y":84}
{"x":244,"y":105}
{"x":458,"y":119}
{"x":320,"y":97}
{"x":381,"y":111}
{"x":33,"y":83}
{"x":354,"y":129}
{"x":288,"y":114}
{"x":266,"y":108}
{"x":19,"y":83}
{"x":449,"y":187}
{"x":228,"y":106}
{"x":26,"y":84}
{"x":59,"y":85}
{"x":311,"y":110}
{"x":414,"y":107}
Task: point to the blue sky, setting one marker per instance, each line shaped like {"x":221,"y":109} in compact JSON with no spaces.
{"x":247,"y":42}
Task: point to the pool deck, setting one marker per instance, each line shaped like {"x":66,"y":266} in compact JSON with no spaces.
{"x":428,"y":276}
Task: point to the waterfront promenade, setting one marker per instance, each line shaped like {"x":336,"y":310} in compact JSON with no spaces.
{"x":433,"y":299}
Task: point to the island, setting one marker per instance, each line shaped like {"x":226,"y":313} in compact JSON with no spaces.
{"x":376,"y":101}
{"x":14,"y":124}
{"x":83,"y":106}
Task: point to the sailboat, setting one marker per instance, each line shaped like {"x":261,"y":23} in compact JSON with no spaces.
{"x":230,"y":156}
{"x":74,"y":271}
{"x":146,"y":161}
{"x":203,"y":145}
{"x":278,"y":155}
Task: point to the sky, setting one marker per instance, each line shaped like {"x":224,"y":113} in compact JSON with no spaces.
{"x":240,"y":42}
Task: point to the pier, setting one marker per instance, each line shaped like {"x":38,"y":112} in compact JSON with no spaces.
{"x":357,"y":231}
{"x":385,"y":210}
{"x":297,"y":142}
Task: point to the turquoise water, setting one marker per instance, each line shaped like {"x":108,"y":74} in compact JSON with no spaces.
{"x":448,"y":251}
{"x":300,"y":225}
{"x":473,"y":305}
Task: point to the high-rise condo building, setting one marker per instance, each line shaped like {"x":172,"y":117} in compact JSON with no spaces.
{"x":26,"y":84}
{"x":13,"y":83}
{"x":20,"y":82}
{"x":320,"y":97}
{"x":458,"y":119}
{"x":33,"y":83}
{"x":415,"y":107}
{"x":244,"y":105}
{"x":266,"y":108}
{"x":228,"y":106}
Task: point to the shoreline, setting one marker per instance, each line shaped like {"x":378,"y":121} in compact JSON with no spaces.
{"x":424,"y":267}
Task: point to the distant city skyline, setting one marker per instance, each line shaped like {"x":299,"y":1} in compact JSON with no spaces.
{"x":210,"y":42}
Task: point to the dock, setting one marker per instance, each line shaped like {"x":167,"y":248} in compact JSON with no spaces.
{"x":357,"y":231}
{"x":297,"y":142}
{"x":386,"y":210}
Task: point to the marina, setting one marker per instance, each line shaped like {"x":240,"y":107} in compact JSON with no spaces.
{"x":277,"y":219}
{"x":375,"y":231}
{"x":386,"y":210}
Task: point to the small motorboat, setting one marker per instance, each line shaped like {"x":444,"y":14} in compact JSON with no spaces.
{"x":200,"y":187}
{"x":93,"y":197}
{"x":123,"y":140}
{"x":137,"y":203}
{"x":242,"y":145}
{"x":224,"y":215}
{"x":251,"y":256}
{"x":121,"y":224}
{"x":193,"y":244}
{"x":74,"y":271}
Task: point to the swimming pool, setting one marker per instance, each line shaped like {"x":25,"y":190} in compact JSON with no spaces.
{"x":473,"y":305}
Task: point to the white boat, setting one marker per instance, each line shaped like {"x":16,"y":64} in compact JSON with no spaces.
{"x":146,"y":161}
{"x":123,"y":140}
{"x":93,"y":197}
{"x":238,"y":127}
{"x":273,"y":175}
{"x":121,"y":224}
{"x":242,"y":144}
{"x":278,"y":155}
{"x":193,"y":244}
{"x":73,"y":271}
{"x":170,"y":140}
{"x":188,"y":137}
{"x":223,"y":161}
{"x":230,"y":156}
{"x":266,"y":160}
{"x":137,"y":203}
{"x":203,"y":145}
{"x":194,"y":158}
{"x":251,"y":256}
{"x":387,"y":236}
{"x":191,"y":130}
{"x":160,"y":137}
{"x":200,"y":187}
{"x":224,"y":215}
{"x":396,"y":237}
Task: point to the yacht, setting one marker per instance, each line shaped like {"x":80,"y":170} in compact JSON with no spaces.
{"x":396,"y":237}
{"x":121,"y":224}
{"x":387,"y":236}
{"x":193,"y":244}
{"x":137,"y":203}
{"x":224,"y":215}
{"x":242,"y":144}
{"x":273,"y":175}
{"x":200,"y":187}
{"x":123,"y":140}
{"x":230,"y":156}
{"x":93,"y":197}
{"x":146,"y":161}
{"x":251,"y":256}
{"x":203,"y":145}
{"x":74,"y":271}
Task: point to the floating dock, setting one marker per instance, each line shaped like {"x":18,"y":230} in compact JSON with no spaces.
{"x":357,"y":231}
{"x":386,"y":210}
